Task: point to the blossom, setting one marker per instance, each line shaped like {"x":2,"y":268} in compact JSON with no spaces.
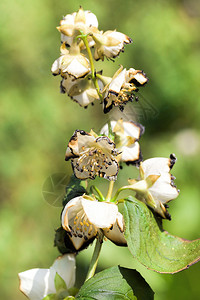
{"x":122,"y":87}
{"x":92,"y":156}
{"x":126,"y":139}
{"x":156,"y":185}
{"x":72,"y":24}
{"x":109,"y":44}
{"x":81,"y":90}
{"x":71,"y":63}
{"x":38,"y":283}
{"x":82,"y":218}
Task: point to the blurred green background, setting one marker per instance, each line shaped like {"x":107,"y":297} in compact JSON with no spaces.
{"x":37,"y":122}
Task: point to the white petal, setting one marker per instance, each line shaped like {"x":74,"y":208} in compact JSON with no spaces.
{"x":68,"y":19}
{"x":116,"y":233}
{"x":163,"y":191}
{"x":130,"y":153}
{"x":101,"y":214}
{"x":156,"y":166}
{"x":36,"y":283}
{"x":91,"y":19}
{"x":76,"y":69}
{"x":133,"y":129}
{"x":65,"y":266}
{"x":116,"y":83}
{"x":85,"y":98}
{"x":113,"y":51}
{"x":121,"y":37}
{"x":55,"y":69}
{"x":70,"y":211}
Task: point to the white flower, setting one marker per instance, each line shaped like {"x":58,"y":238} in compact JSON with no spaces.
{"x":81,"y":91}
{"x":71,"y":62}
{"x":71,"y":25}
{"x":38,"y":283}
{"x":126,"y":139}
{"x":92,"y":156}
{"x":156,"y":187}
{"x":109,"y":44}
{"x":122,"y":87}
{"x":82,"y":218}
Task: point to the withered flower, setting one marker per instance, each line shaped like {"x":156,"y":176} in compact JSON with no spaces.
{"x":92,"y":156}
{"x":156,"y":185}
{"x":109,"y":44}
{"x":126,"y":137}
{"x":123,"y":87}
{"x":82,"y":218}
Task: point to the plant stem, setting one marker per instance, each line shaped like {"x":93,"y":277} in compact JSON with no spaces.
{"x":110,"y":190}
{"x":93,"y":187}
{"x":119,"y":191}
{"x":94,"y":78}
{"x":95,"y":256}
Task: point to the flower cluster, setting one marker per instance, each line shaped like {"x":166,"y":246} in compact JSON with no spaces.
{"x":79,"y":35}
{"x":87,"y":214}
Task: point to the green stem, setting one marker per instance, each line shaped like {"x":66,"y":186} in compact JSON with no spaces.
{"x":119,"y":191}
{"x":95,"y":256}
{"x":94,"y":78}
{"x":110,"y":190}
{"x":93,"y":187}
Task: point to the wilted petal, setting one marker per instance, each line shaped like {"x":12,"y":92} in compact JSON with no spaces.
{"x":122,"y":88}
{"x":137,"y":77}
{"x":101,"y":214}
{"x":109,"y":44}
{"x":92,"y":156}
{"x":115,"y":233}
{"x":156,"y":187}
{"x":126,"y":139}
{"x":81,"y":91}
{"x":78,"y":143}
{"x":72,"y":23}
{"x":76,"y":223}
{"x":56,"y":67}
{"x":131,"y":153}
{"x":77,"y":67}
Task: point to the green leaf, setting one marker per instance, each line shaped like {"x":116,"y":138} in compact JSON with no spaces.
{"x":75,"y":188}
{"x":153,"y":247}
{"x":108,"y":284}
{"x":59,"y":283}
{"x":139,"y":286}
{"x":50,"y":297}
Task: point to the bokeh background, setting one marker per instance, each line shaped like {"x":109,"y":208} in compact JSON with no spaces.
{"x":37,"y":122}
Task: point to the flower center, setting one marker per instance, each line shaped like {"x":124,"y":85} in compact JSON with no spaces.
{"x":94,"y":161}
{"x":82,"y":227}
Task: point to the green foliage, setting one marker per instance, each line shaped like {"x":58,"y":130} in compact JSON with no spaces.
{"x":59,"y":283}
{"x":75,"y":188}
{"x":50,"y":297}
{"x":116,"y":283}
{"x":156,"y":249}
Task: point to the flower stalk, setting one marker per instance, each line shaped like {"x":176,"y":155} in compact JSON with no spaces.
{"x":93,"y":75}
{"x":110,"y":190}
{"x":95,"y":256}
